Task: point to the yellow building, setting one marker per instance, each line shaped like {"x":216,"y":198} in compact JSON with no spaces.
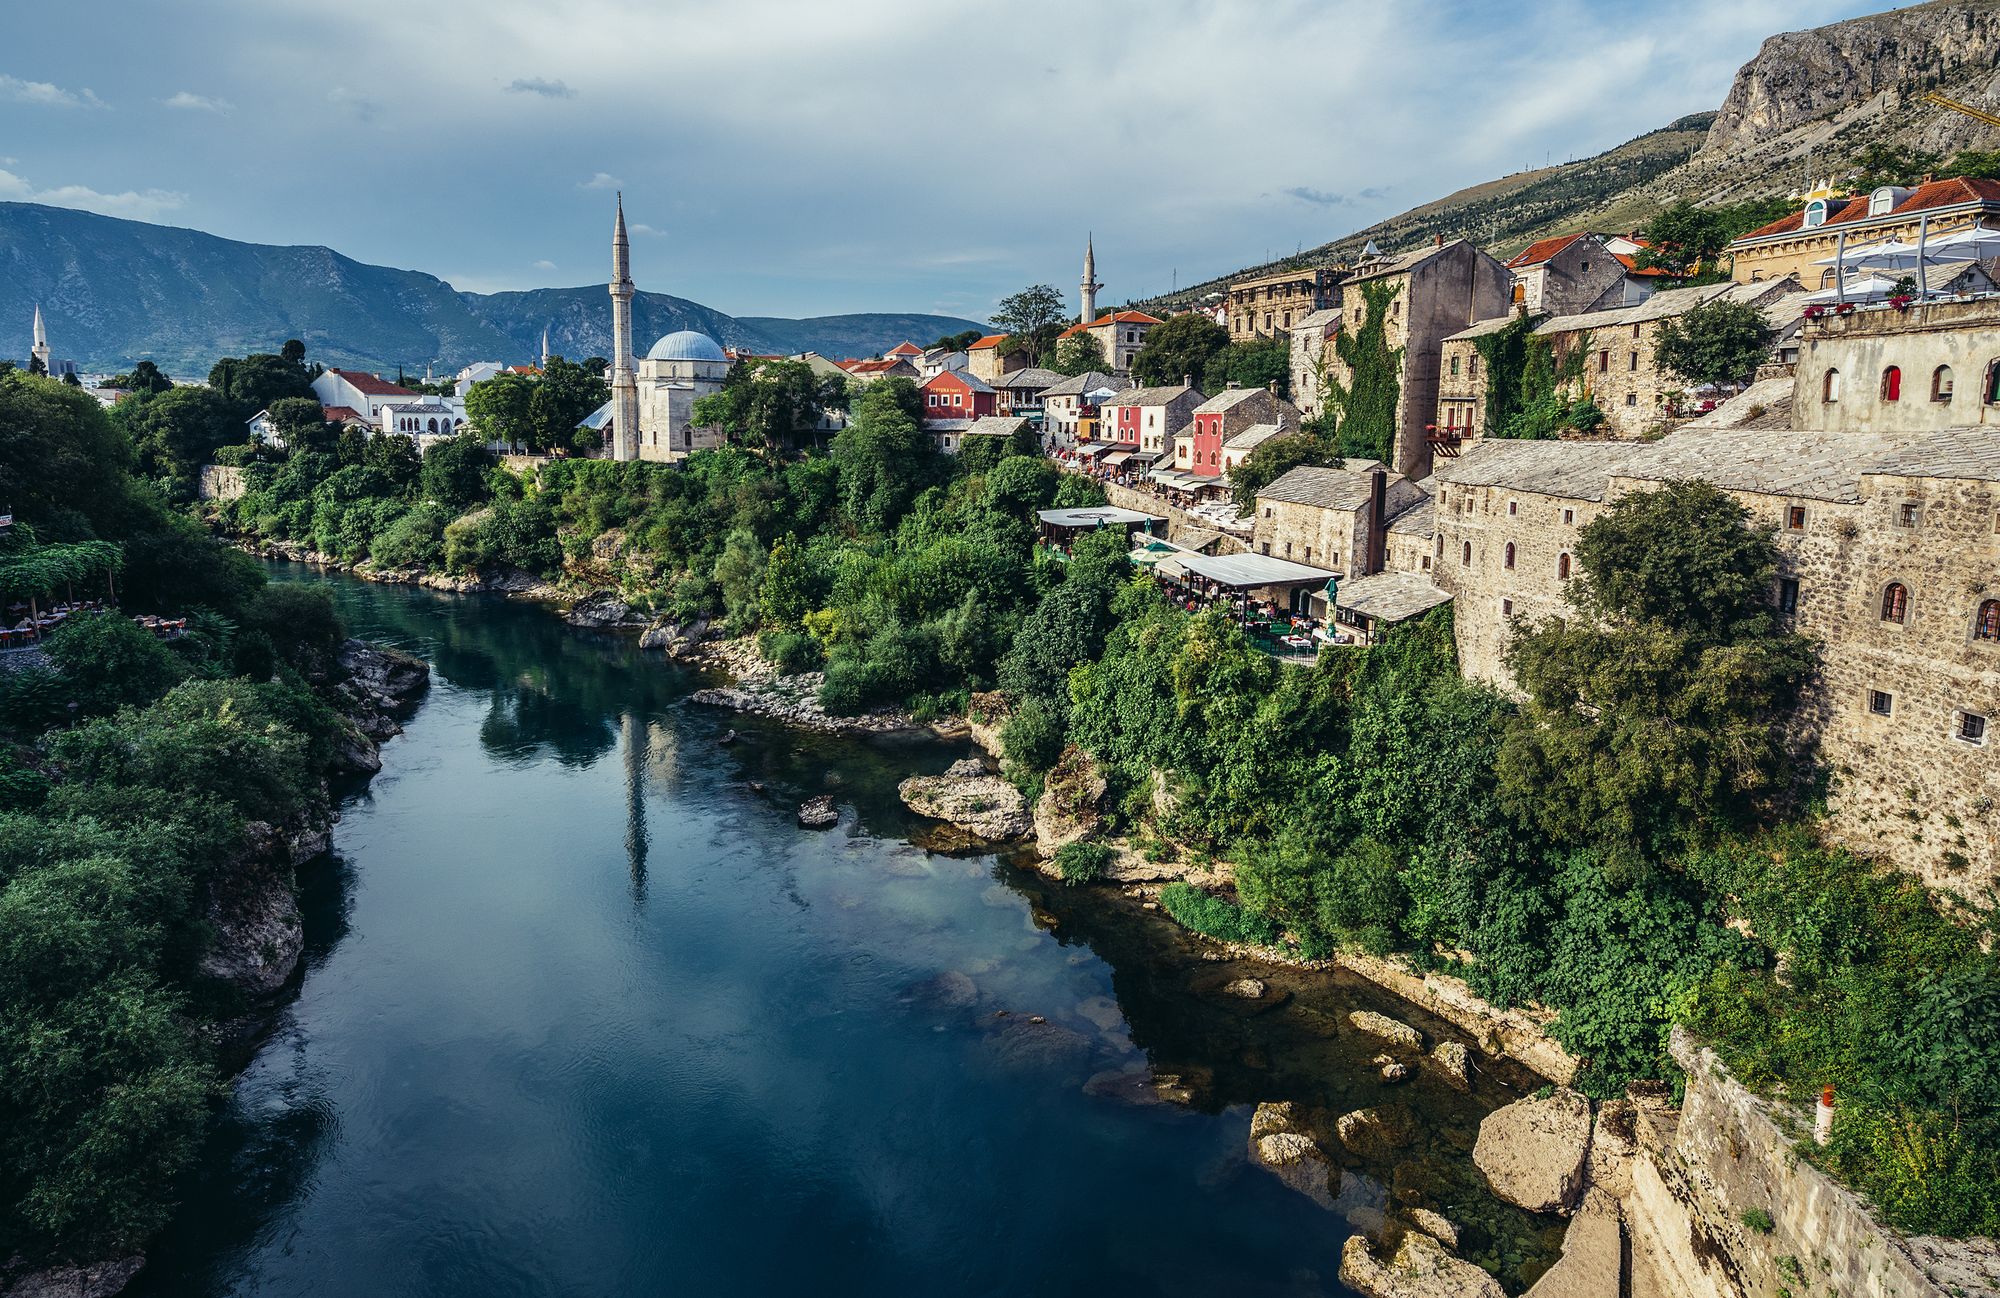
{"x":1791,"y":245}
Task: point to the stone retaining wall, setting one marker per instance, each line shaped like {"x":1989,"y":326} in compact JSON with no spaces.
{"x":1733,"y":1154}
{"x":1179,"y":521}
{"x":219,"y":482}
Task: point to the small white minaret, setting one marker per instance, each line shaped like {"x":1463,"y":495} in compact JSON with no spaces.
{"x":545,"y":346}
{"x":1090,"y":284}
{"x":624,"y":383}
{"x":40,"y":351}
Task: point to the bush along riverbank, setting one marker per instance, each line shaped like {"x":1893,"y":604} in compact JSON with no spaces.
{"x":1625,"y":845}
{"x":156,"y":796}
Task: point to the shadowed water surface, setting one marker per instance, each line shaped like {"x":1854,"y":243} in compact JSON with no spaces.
{"x":586,"y":1013}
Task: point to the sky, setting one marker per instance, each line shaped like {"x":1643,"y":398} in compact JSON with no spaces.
{"x":803,"y":159}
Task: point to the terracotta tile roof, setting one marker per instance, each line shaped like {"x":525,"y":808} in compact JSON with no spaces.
{"x":1632,"y":267}
{"x":338,"y":414}
{"x":869,"y":367}
{"x":370,"y":386}
{"x":990,"y":340}
{"x":904,"y":349}
{"x":1924,"y":198}
{"x":1543,"y":250}
{"x":1111,"y":318}
{"x":947,"y":378}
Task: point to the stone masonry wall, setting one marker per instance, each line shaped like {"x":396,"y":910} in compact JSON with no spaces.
{"x":1487,"y":593}
{"x":219,"y":482}
{"x":1733,"y":1154}
{"x":1179,"y":521}
{"x":1956,"y":335}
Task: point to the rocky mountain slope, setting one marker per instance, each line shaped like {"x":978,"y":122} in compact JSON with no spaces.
{"x":1801,"y":110}
{"x":115,"y":291}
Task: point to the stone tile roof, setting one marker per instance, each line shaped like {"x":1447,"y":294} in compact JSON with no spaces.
{"x":1226,"y":400}
{"x":1038,"y":379}
{"x":995,"y":426}
{"x":1811,"y":464}
{"x":1485,"y":327}
{"x":1664,"y":304}
{"x":1954,"y":453}
{"x":1419,"y":518}
{"x":1088,"y":381}
{"x":1323,"y":488}
{"x":1254,"y":436}
{"x":1319,"y":319}
{"x":1572,"y":470}
{"x":1402,"y":263}
{"x":1389,"y":596}
{"x":1149,"y":396}
{"x":1767,"y":403}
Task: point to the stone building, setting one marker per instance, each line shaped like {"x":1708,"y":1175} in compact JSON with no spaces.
{"x":1792,"y":244}
{"x":1461,"y":407}
{"x":984,"y":360}
{"x":1267,"y":306}
{"x":677,"y":371}
{"x":1119,"y":335}
{"x":1148,"y":418}
{"x":1436,"y":291}
{"x":1070,"y":408}
{"x":1409,"y":547}
{"x":1222,"y":418}
{"x":1568,"y":274}
{"x":1890,"y":545}
{"x":1934,"y":365}
{"x":1312,"y":348}
{"x":1332,"y":518}
{"x":1619,"y":372}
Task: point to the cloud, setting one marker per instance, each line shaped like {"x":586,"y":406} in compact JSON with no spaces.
{"x":138,"y":204}
{"x":602,"y":180}
{"x":539,"y":86}
{"x":1317,"y":197}
{"x":191,"y":102}
{"x":357,"y":106}
{"x":545,"y":264}
{"x":45,"y":94}
{"x":640,"y":227}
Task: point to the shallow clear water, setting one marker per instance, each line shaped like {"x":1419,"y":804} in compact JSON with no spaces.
{"x":586,"y":1013}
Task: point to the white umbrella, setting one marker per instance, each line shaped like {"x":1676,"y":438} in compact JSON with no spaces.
{"x":1974,"y":243}
{"x":1891,"y":254}
{"x":1861,"y":290}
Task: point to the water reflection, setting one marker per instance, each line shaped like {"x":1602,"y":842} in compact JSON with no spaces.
{"x":586,"y":1008}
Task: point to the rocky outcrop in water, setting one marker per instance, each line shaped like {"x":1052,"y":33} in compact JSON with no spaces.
{"x":1067,"y":812}
{"x":601,"y":610}
{"x":818,"y":813}
{"x":1420,"y":1268}
{"x":982,"y":805}
{"x":1398,"y":1034}
{"x":85,"y":1280}
{"x":1533,"y":1151}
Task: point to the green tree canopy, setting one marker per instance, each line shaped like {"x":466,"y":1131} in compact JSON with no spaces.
{"x":1716,"y":342}
{"x":1079,"y":353}
{"x":1179,"y":347}
{"x":1031,"y":319}
{"x":1365,"y":407}
{"x":884,"y":454}
{"x":177,"y":431}
{"x":1251,"y":363}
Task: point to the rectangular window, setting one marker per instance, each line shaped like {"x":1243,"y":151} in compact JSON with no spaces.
{"x":1267,"y":547}
{"x":1788,"y":595}
{"x":1569,"y":516}
{"x":1971,"y":728}
{"x":1908,"y":514}
{"x":1288,"y":549}
{"x":1604,"y":361}
{"x":1635,"y":363}
{"x":1454,"y":367}
{"x":1795,"y":518}
{"x":1881,"y":703}
{"x":1513,"y":508}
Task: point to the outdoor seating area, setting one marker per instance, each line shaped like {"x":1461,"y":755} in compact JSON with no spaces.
{"x":34,"y":624}
{"x":1269,"y":598}
{"x":1060,"y":527}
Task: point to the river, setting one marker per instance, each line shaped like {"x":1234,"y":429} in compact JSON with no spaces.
{"x":585,"y":1012}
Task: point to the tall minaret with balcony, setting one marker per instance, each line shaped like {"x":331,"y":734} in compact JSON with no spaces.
{"x":40,"y":351}
{"x":1090,"y":284}
{"x":624,"y":383}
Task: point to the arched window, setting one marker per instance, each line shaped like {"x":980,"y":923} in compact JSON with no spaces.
{"x":1815,"y":214}
{"x":1987,"y":625}
{"x":1993,"y":382}
{"x":1892,"y":383}
{"x":1941,"y":383}
{"x":1896,"y":602}
{"x":1829,"y":387}
{"x":1510,"y":554}
{"x":1562,"y":567}
{"x":1465,"y":556}
{"x":433,"y":425}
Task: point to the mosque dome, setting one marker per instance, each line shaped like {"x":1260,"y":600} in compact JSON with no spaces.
{"x":686,"y":345}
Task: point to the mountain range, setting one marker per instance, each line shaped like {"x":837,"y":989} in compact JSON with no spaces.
{"x":114,"y":291}
{"x":1803,"y":110}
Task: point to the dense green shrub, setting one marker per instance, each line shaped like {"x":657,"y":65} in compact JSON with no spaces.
{"x":107,"y":661}
{"x":1083,"y":862}
{"x":1215,"y":917}
{"x":791,"y":651}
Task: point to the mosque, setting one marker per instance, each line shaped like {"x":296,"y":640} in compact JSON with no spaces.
{"x":651,"y":412}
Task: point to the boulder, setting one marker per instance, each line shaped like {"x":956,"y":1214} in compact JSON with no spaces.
{"x":1374,"y":1133}
{"x":1272,"y":1117}
{"x":1451,"y":1061}
{"x":86,"y":1280}
{"x":1533,"y":1151}
{"x":965,"y":768}
{"x":1249,"y":989}
{"x":818,"y":813}
{"x":1392,"y":1069}
{"x":1067,"y":812}
{"x":599,"y":609}
{"x":1438,"y":1227}
{"x":1593,"y":1256}
{"x":1420,"y":1269}
{"x":1284,"y":1148}
{"x":255,"y":938}
{"x":1393,"y":1031}
{"x":982,"y":805}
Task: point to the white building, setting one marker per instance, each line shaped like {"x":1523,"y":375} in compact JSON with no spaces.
{"x":359,"y":391}
{"x":677,"y":371}
{"x":427,"y":419}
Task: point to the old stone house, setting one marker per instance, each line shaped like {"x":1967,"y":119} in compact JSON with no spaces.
{"x":1462,"y":378}
{"x":1409,"y":547}
{"x":1312,"y":348}
{"x":1221,"y":418}
{"x":984,"y":359}
{"x":1119,"y":334}
{"x":1567,"y":274}
{"x":1267,"y":306}
{"x":1931,"y":366}
{"x":1435,"y":292}
{"x":1333,"y":518}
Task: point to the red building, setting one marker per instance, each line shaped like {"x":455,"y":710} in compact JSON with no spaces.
{"x":955,"y":394}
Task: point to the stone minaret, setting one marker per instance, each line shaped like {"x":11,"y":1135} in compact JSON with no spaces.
{"x":40,"y":350}
{"x":1090,"y":284}
{"x":545,"y":346}
{"x":624,"y":383}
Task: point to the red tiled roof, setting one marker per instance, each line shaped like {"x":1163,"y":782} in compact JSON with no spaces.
{"x":990,"y":340}
{"x":904,"y":349}
{"x":1632,"y":267}
{"x":869,"y":367}
{"x":1543,"y":250}
{"x":1924,"y":198}
{"x":1111,"y":318}
{"x":338,"y":414}
{"x":370,"y":386}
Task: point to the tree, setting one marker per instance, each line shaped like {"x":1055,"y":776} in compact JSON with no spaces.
{"x":1178,"y":348}
{"x":1276,"y":457}
{"x":502,"y":408}
{"x":36,"y":368}
{"x":177,"y":431}
{"x":253,"y":382}
{"x":455,"y":472}
{"x":1031,"y":319}
{"x":145,"y":377}
{"x":958,"y":342}
{"x":771,"y":403}
{"x":1655,"y":710}
{"x":568,"y":394}
{"x":884,"y":454}
{"x":1252,"y":363}
{"x":1716,"y":342}
{"x":1079,"y":353}
{"x":1689,"y":240}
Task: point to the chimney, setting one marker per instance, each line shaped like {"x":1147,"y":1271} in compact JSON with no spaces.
{"x":1187,"y":380}
{"x":1437,"y":240}
{"x":1378,"y":525}
{"x":1272,"y":387}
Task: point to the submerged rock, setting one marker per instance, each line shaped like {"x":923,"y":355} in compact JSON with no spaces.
{"x":818,"y":813}
{"x":1374,"y":1133}
{"x":1420,"y":1269}
{"x":1593,"y":1256}
{"x":1533,"y":1151}
{"x":1453,"y":1062}
{"x":950,"y":990}
{"x":599,"y":609}
{"x":980,"y":804}
{"x":84,"y":1280}
{"x":1437,"y":1226}
{"x":1392,"y":1069}
{"x":1393,"y":1031}
{"x":1249,"y":989}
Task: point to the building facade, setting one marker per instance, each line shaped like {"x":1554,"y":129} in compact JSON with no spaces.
{"x":1269,"y":305}
{"x":1146,"y":419}
{"x":1119,"y":335}
{"x":1225,"y":415}
{"x":956,"y":394}
{"x":1566,"y":275}
{"x":1791,"y":245}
